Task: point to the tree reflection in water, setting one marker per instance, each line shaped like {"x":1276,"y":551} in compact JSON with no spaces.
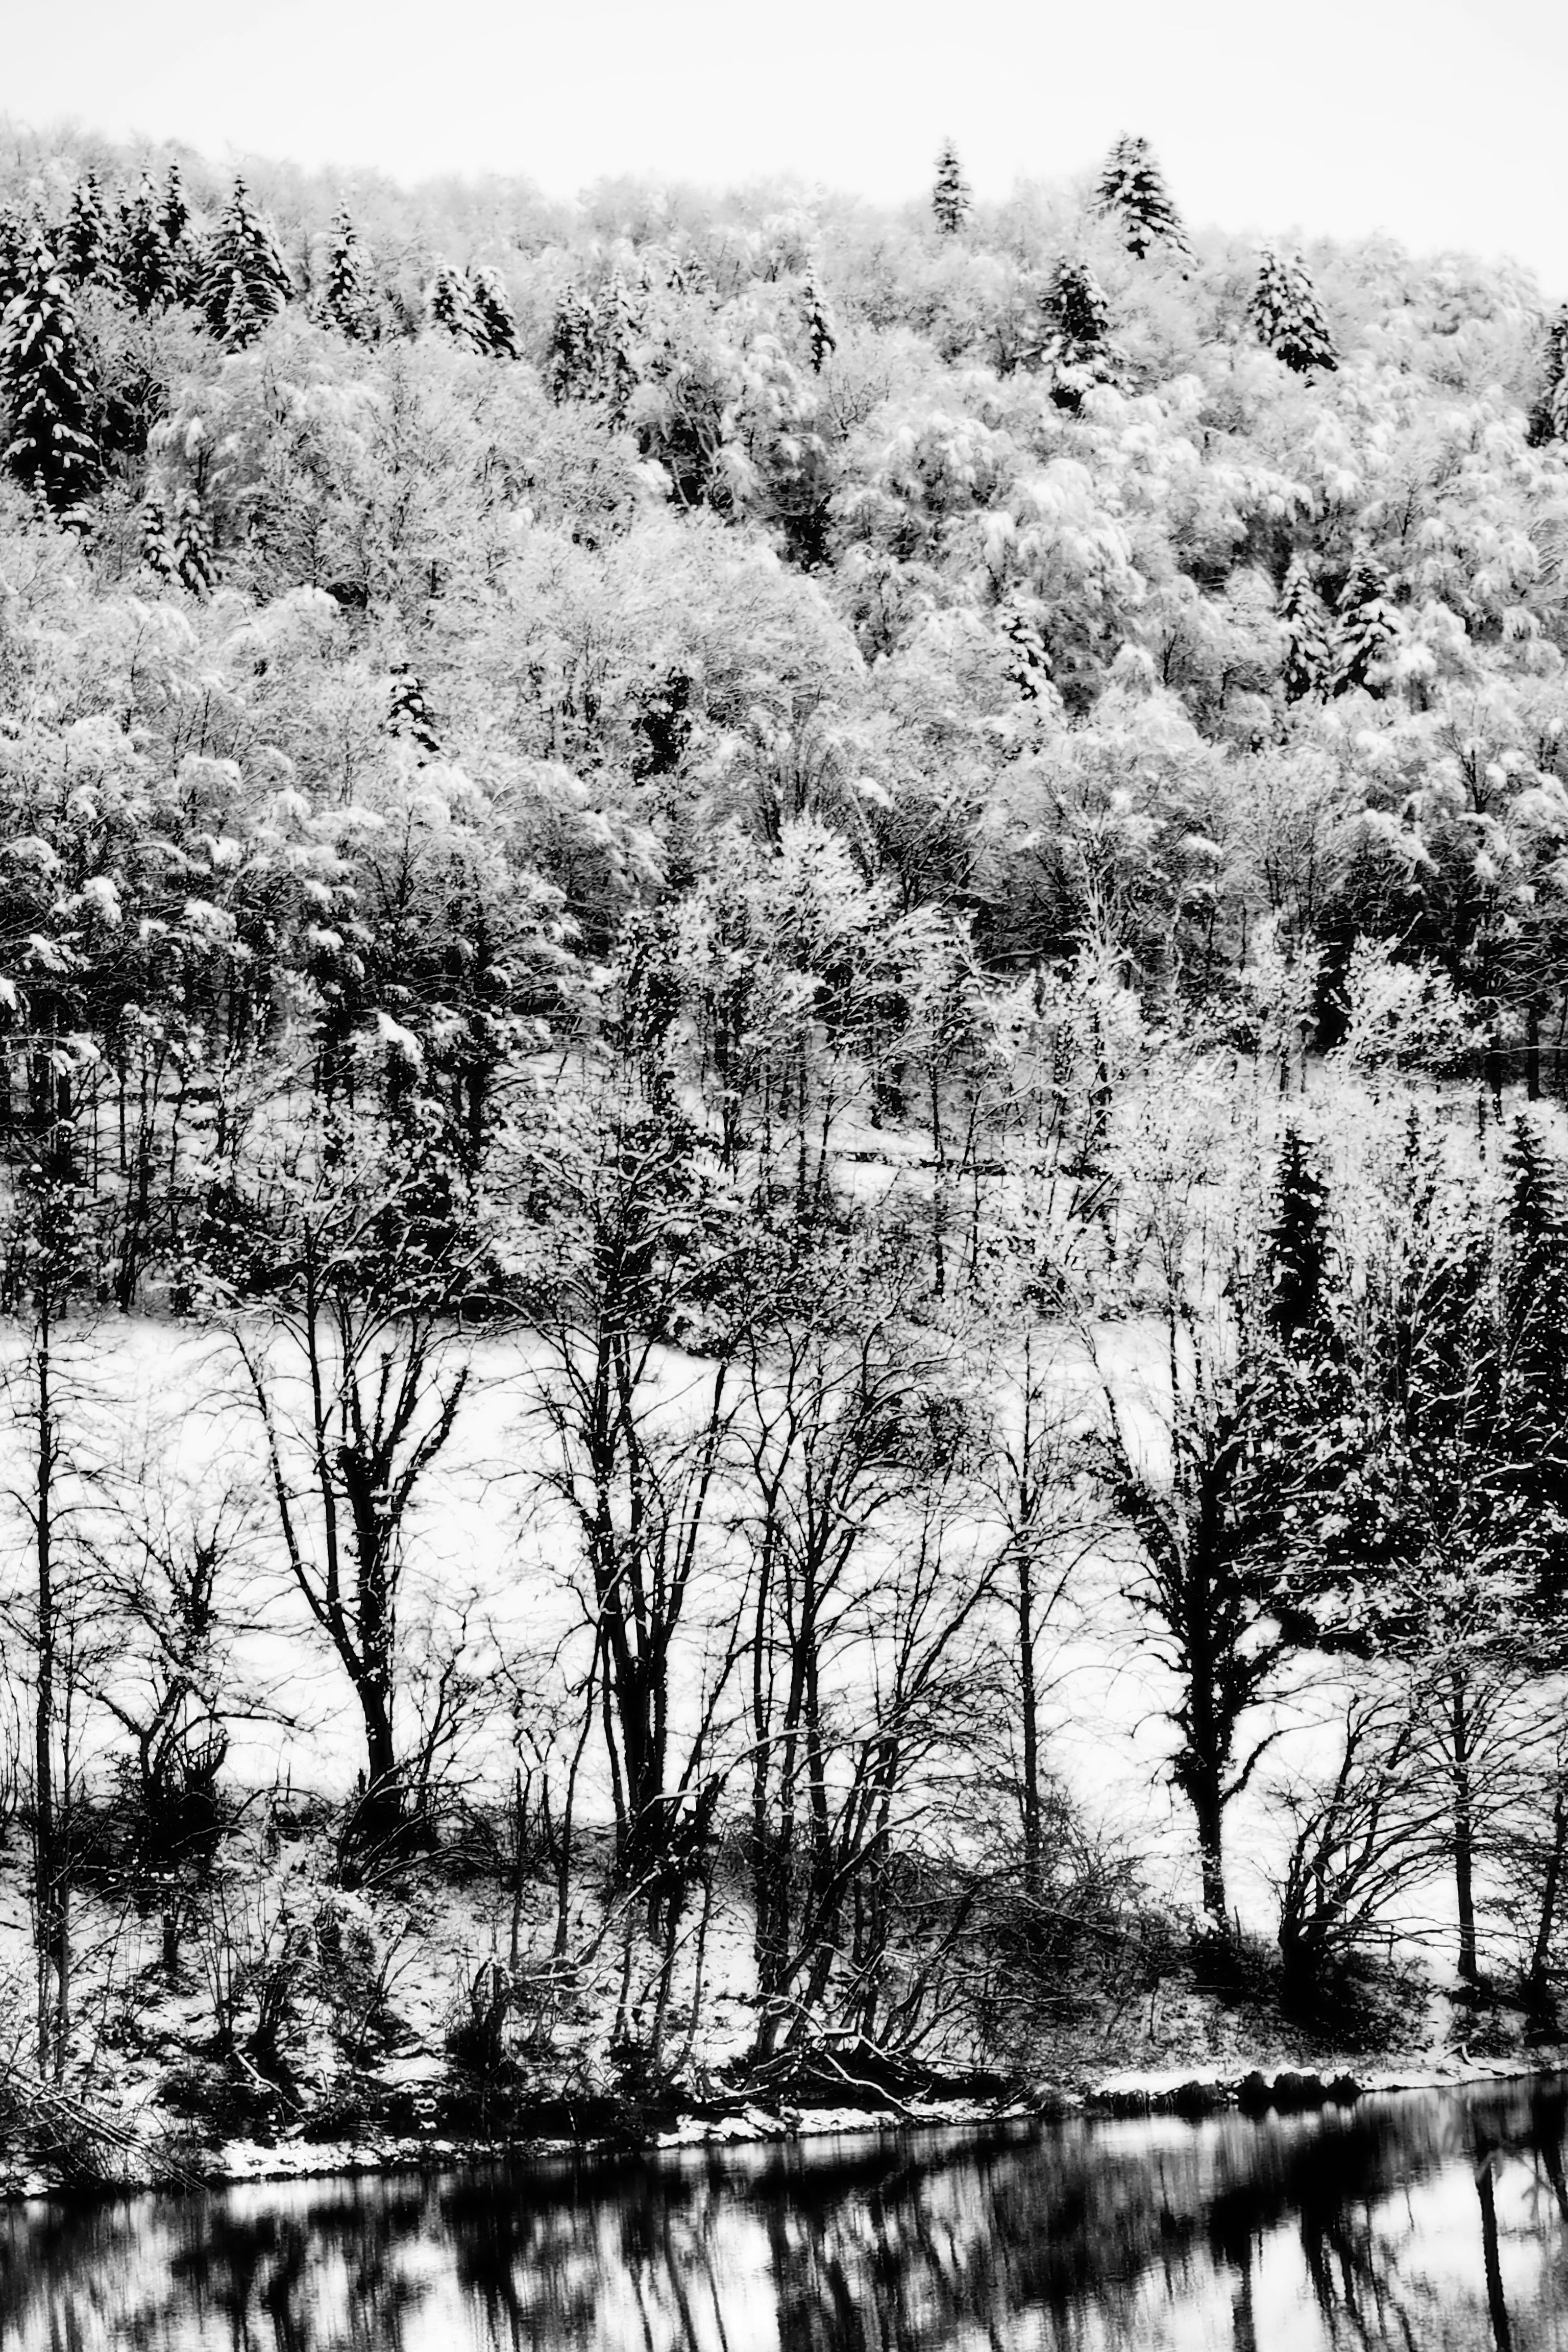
{"x":1433,"y":2223}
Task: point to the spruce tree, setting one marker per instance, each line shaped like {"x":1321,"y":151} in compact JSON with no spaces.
{"x":408,"y":715}
{"x":193,"y":546}
{"x":1027,"y":663}
{"x":48,"y":399}
{"x":1549,"y":419}
{"x":950,"y":198}
{"x":569,"y":363}
{"x":86,"y":253}
{"x":1366,"y":625}
{"x":1298,"y":1255}
{"x":493,"y":310}
{"x":145,"y":264}
{"x":1536,"y":1337}
{"x":177,"y":214}
{"x":452,"y":309}
{"x":1309,"y":660}
{"x":618,"y":330}
{"x":1285,"y":316}
{"x":820,"y":338}
{"x":16,"y":242}
{"x":345,"y":294}
{"x":157,"y":547}
{"x":244,"y":281}
{"x":1133,"y":192}
{"x":1076,"y":345}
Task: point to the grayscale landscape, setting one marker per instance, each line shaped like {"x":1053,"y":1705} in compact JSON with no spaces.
{"x":784,"y":1265}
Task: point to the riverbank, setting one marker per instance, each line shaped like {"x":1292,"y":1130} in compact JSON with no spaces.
{"x":1191,"y":2095}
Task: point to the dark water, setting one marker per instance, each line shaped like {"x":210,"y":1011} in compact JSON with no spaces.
{"x":1430,"y":2222}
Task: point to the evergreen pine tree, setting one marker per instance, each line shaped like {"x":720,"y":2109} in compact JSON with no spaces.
{"x":1549,"y":419}
{"x":1536,"y":1337}
{"x":86,"y":252}
{"x":1366,"y":625}
{"x":145,"y":264}
{"x":569,"y":363}
{"x":1285,"y":316}
{"x":1309,"y":660}
{"x":1076,"y":345}
{"x":16,"y":241}
{"x":1133,"y":192}
{"x":493,"y":310}
{"x":618,"y":330}
{"x":176,"y":215}
{"x":244,"y":281}
{"x":818,"y":322}
{"x":1028,"y":664}
{"x":452,"y":309}
{"x":950,"y":196}
{"x":345,"y":294}
{"x":1298,"y":1255}
{"x":48,"y":399}
{"x":193,"y":546}
{"x":408,"y":715}
{"x":157,"y":547}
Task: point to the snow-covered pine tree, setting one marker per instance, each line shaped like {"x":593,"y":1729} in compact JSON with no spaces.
{"x":492,"y":307}
{"x":452,"y":308}
{"x":48,"y":399}
{"x":193,"y":546}
{"x":569,"y":362}
{"x":86,"y":250}
{"x":16,"y":241}
{"x":618,"y":330}
{"x":157,"y":548}
{"x":1549,"y":417}
{"x":145,"y":264}
{"x":177,"y":212}
{"x":1298,"y":1253}
{"x":1027,"y":662}
{"x":818,"y":320}
{"x":950,"y":198}
{"x":408,"y":715}
{"x":1133,"y":192}
{"x":1366,"y":627}
{"x":345,"y":301}
{"x":244,"y":281}
{"x":1286,"y":316}
{"x":1536,"y":1337}
{"x":1308,"y":658}
{"x":1076,"y":345}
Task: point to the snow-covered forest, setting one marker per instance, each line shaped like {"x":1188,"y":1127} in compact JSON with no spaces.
{"x":784,"y":1199}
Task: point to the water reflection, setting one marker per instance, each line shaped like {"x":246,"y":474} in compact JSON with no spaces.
{"x":1434,"y":2223}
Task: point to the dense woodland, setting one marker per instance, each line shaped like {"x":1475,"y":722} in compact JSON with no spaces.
{"x":890,"y":890}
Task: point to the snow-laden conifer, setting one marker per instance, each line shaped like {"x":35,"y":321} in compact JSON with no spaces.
{"x":1133,"y":193}
{"x":1286,"y":316}
{"x":951,"y":200}
{"x":245,"y":281}
{"x":1366,"y":625}
{"x":48,"y":398}
{"x":86,"y":251}
{"x":1308,"y":658}
{"x":407,"y":714}
{"x":145,"y":264}
{"x":492,"y":307}
{"x":345,"y":298}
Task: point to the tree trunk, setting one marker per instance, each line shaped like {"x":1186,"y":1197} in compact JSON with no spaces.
{"x":48,"y":1888}
{"x":1464,"y":1826}
{"x":1029,"y":1701}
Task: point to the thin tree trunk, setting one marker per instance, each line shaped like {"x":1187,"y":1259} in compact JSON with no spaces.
{"x":1464,"y":1826}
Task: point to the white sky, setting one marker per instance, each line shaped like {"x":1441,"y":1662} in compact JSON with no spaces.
{"x":1432,"y":119}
